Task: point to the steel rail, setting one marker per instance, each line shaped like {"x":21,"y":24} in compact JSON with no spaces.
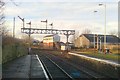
{"x":47,"y":70}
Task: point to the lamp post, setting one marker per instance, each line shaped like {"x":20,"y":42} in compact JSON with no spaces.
{"x":105,"y":25}
{"x":94,"y":29}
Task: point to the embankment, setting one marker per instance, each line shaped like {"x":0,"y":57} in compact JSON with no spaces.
{"x":12,"y":51}
{"x":107,"y":69}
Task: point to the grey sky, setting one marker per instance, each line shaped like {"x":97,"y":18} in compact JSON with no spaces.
{"x":76,"y":15}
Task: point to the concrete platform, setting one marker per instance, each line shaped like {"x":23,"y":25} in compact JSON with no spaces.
{"x":37,"y":69}
{"x":97,"y":59}
{"x":24,"y":67}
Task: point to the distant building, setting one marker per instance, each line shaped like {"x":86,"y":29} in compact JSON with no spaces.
{"x":87,"y":40}
{"x":50,"y":40}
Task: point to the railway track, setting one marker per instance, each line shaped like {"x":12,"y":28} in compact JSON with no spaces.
{"x":54,"y":71}
{"x":86,"y":73}
{"x":58,"y":69}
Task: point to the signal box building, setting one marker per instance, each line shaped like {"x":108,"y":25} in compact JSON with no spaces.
{"x":50,"y":40}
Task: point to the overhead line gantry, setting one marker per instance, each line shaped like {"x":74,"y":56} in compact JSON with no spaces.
{"x":30,"y":30}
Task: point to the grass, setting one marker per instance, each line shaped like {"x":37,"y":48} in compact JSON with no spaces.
{"x":91,"y":53}
{"x":113,"y":57}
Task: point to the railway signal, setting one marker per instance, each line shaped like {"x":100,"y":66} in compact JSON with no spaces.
{"x":29,"y":36}
{"x":23,"y":20}
{"x":45,"y":22}
{"x":51,"y":25}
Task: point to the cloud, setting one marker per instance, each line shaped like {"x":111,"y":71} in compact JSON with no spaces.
{"x":112,"y":26}
{"x":64,"y":15}
{"x":56,"y":10}
{"x":14,"y":11}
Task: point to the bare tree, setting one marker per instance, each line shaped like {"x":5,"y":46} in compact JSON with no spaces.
{"x":72,"y":39}
{"x":2,"y":4}
{"x":3,"y":28}
{"x":4,"y":31}
{"x":26,"y":38}
{"x":75,"y":36}
{"x":86,"y":31}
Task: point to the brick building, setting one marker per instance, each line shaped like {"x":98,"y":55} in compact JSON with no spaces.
{"x":49,"y":41}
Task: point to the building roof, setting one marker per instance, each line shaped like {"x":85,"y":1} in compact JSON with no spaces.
{"x":51,"y":35}
{"x":109,"y":38}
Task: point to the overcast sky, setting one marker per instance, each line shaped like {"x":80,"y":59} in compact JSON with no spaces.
{"x":64,"y":14}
